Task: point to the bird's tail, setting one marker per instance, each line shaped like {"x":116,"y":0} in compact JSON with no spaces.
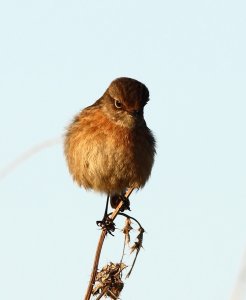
{"x":115,"y":200}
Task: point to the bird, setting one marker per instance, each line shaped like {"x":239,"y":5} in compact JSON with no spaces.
{"x":108,"y":146}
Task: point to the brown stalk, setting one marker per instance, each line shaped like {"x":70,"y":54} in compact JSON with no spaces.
{"x":99,"y":247}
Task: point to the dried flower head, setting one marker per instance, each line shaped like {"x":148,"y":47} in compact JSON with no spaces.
{"x":108,"y":281}
{"x":126,"y":230}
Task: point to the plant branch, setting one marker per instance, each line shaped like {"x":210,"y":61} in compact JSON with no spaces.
{"x":100,"y":244}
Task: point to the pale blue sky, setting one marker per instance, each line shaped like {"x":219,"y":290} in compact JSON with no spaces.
{"x":57,"y":57}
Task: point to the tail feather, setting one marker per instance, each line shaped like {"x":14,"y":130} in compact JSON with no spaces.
{"x":115,"y":200}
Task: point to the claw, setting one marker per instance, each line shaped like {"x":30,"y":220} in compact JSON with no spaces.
{"x":107,"y":224}
{"x":115,"y":200}
{"x":126,"y":205}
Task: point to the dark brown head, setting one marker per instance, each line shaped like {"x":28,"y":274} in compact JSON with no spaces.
{"x":124,"y":101}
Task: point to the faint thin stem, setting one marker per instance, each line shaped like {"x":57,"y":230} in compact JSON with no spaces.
{"x":27,"y":154}
{"x":137,"y":250}
{"x":133,"y":264}
{"x":123,"y":252}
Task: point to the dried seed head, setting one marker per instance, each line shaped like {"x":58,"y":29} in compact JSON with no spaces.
{"x":108,"y":281}
{"x":126,"y":230}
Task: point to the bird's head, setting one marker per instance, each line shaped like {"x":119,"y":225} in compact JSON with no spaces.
{"x":124,"y":101}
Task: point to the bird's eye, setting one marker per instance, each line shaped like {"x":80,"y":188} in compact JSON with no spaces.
{"x":117,"y":104}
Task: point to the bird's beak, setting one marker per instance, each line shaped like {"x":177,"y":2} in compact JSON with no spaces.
{"x":136,"y":113}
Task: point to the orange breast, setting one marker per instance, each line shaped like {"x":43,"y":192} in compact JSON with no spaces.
{"x":106,"y":157}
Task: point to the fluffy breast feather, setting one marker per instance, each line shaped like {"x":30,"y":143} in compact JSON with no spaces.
{"x":107,"y":157}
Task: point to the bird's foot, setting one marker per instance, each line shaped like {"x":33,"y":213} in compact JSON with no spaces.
{"x":116,"y":199}
{"x":107,"y":224}
{"x":126,"y":203}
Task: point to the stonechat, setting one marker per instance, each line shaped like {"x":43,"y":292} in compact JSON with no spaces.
{"x":108,"y":146}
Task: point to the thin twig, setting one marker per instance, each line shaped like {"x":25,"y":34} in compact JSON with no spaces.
{"x":133,"y":264}
{"x":100,"y":244}
{"x":130,"y":217}
{"x":123,"y":252}
{"x":102,"y":293}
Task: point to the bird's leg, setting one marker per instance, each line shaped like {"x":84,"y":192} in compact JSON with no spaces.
{"x":106,"y":208}
{"x":106,"y":222}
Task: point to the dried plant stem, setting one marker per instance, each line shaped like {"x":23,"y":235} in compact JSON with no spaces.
{"x":26,"y":155}
{"x":95,"y":265}
{"x":99,"y":247}
{"x":140,"y":240}
{"x":102,"y":293}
